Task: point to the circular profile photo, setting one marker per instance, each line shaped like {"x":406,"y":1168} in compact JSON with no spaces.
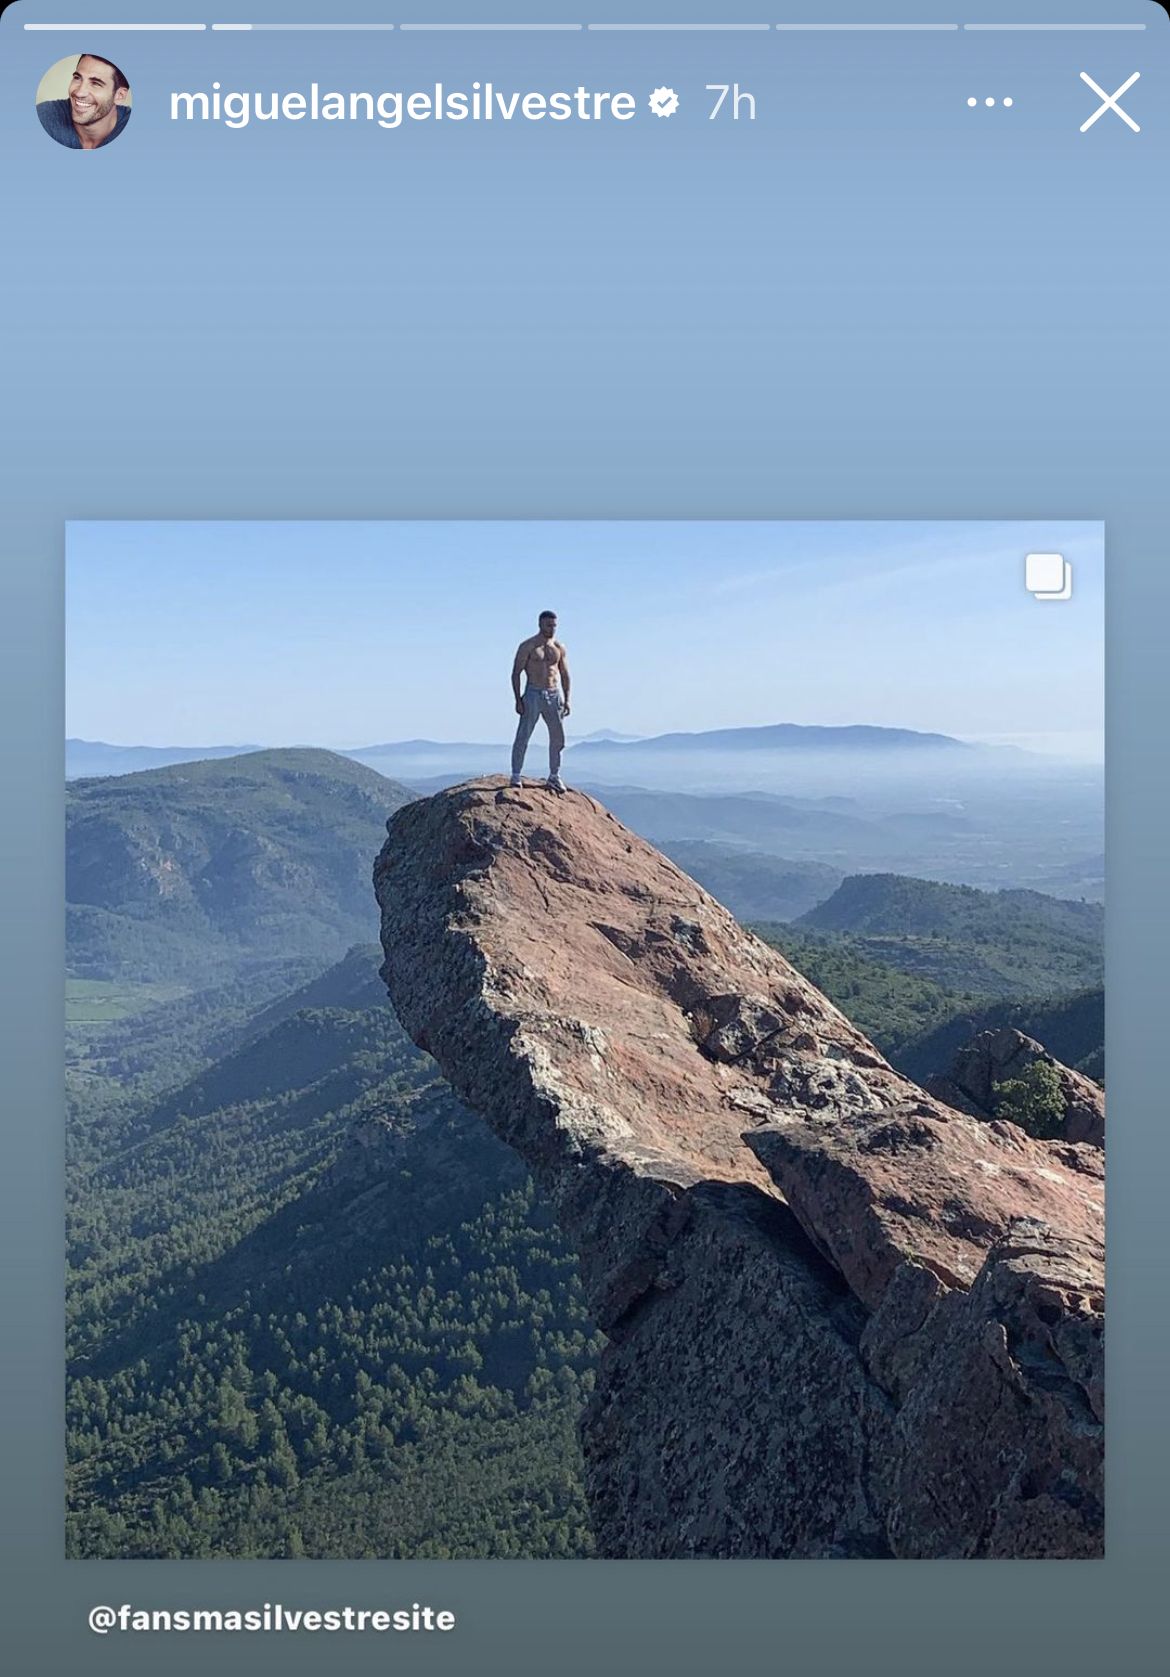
{"x":83,"y":101}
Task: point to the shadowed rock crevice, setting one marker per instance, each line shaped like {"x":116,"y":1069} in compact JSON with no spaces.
{"x":844,"y":1319}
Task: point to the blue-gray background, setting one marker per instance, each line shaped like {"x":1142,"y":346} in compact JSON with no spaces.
{"x":873,"y":302}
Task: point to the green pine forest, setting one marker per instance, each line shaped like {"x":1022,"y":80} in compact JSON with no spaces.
{"x":284,"y":1341}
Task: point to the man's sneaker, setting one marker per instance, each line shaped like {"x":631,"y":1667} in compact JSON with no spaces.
{"x":515,"y":781}
{"x":556,"y":784}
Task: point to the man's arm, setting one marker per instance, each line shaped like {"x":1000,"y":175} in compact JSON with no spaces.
{"x":565,"y":677}
{"x":518,"y":664}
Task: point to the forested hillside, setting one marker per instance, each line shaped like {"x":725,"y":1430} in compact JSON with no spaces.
{"x":185,"y":872}
{"x":990,"y":943}
{"x":314,"y":1307}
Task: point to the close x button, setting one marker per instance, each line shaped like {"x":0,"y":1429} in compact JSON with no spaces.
{"x":1110,"y":101}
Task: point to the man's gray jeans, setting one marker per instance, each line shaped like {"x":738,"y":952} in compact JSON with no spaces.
{"x":543,"y":702}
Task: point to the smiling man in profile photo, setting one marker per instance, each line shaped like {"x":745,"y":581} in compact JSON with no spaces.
{"x":95,"y":110}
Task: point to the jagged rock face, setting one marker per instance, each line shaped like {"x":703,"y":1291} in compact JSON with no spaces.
{"x":843,"y":1318}
{"x":995,"y":1056}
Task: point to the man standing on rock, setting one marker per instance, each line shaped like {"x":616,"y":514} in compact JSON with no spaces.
{"x":544,"y":663}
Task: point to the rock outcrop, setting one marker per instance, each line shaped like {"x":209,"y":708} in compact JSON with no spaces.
{"x":843,"y":1318}
{"x":994,"y":1057}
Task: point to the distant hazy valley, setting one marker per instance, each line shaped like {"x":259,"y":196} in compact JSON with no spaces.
{"x":852,"y":800}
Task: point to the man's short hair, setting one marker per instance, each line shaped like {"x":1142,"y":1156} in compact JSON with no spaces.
{"x":119,"y":79}
{"x":545,"y":614}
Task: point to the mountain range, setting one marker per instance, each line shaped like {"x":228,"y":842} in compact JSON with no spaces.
{"x":464,"y":758}
{"x":184,"y":870}
{"x":783,"y":736}
{"x":852,"y":799}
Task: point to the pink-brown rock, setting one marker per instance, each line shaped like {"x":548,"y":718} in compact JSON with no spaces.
{"x":822,"y":1289}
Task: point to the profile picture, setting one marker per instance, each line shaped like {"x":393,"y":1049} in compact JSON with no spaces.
{"x":83,"y":101}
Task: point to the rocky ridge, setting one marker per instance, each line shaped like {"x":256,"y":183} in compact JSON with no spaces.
{"x":993,"y":1057}
{"x":844,"y":1319}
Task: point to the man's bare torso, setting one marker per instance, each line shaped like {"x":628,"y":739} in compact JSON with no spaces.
{"x":541,"y":662}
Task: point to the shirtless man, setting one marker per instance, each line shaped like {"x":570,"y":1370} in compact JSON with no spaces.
{"x":544,"y":663}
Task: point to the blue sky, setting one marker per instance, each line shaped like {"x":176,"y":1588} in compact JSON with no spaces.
{"x":346,"y":634}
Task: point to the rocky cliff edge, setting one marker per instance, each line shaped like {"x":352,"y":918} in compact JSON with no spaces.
{"x":844,"y":1319}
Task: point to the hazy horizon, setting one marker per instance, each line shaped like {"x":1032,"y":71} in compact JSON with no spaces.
{"x":1087,"y":748}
